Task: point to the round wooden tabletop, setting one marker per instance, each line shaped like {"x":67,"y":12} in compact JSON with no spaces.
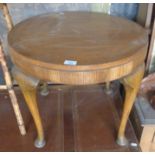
{"x":77,"y":41}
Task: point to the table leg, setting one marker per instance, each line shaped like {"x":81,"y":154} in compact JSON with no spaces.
{"x":44,"y":89}
{"x":28,"y":87}
{"x":131,"y":84}
{"x":108,"y":89}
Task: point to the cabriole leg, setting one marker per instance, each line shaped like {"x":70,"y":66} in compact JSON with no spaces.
{"x":108,"y":88}
{"x":28,"y":87}
{"x":131,"y":84}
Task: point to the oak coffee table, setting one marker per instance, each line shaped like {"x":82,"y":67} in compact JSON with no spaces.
{"x":77,"y":48}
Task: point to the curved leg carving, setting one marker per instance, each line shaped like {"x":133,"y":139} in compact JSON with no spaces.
{"x":28,"y":87}
{"x":131,"y":84}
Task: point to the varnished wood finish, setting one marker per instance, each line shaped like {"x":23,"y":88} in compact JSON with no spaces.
{"x":131,"y":84}
{"x":98,"y":42}
{"x":106,"y":48}
{"x":28,"y":86}
{"x":80,"y":77}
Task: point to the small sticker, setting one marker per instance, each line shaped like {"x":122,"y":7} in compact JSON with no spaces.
{"x":70,"y":62}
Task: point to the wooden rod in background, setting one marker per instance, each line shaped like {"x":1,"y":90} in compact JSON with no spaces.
{"x":7,"y":75}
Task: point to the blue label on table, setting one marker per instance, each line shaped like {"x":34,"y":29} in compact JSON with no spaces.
{"x":70,"y":62}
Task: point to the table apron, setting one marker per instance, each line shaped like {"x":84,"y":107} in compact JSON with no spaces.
{"x":78,"y":77}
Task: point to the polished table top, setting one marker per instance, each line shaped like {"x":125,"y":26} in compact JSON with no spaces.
{"x":90,"y":40}
{"x":78,"y":48}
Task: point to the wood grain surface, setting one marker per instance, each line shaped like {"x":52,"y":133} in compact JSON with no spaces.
{"x":88,"y":38}
{"x":96,"y":41}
